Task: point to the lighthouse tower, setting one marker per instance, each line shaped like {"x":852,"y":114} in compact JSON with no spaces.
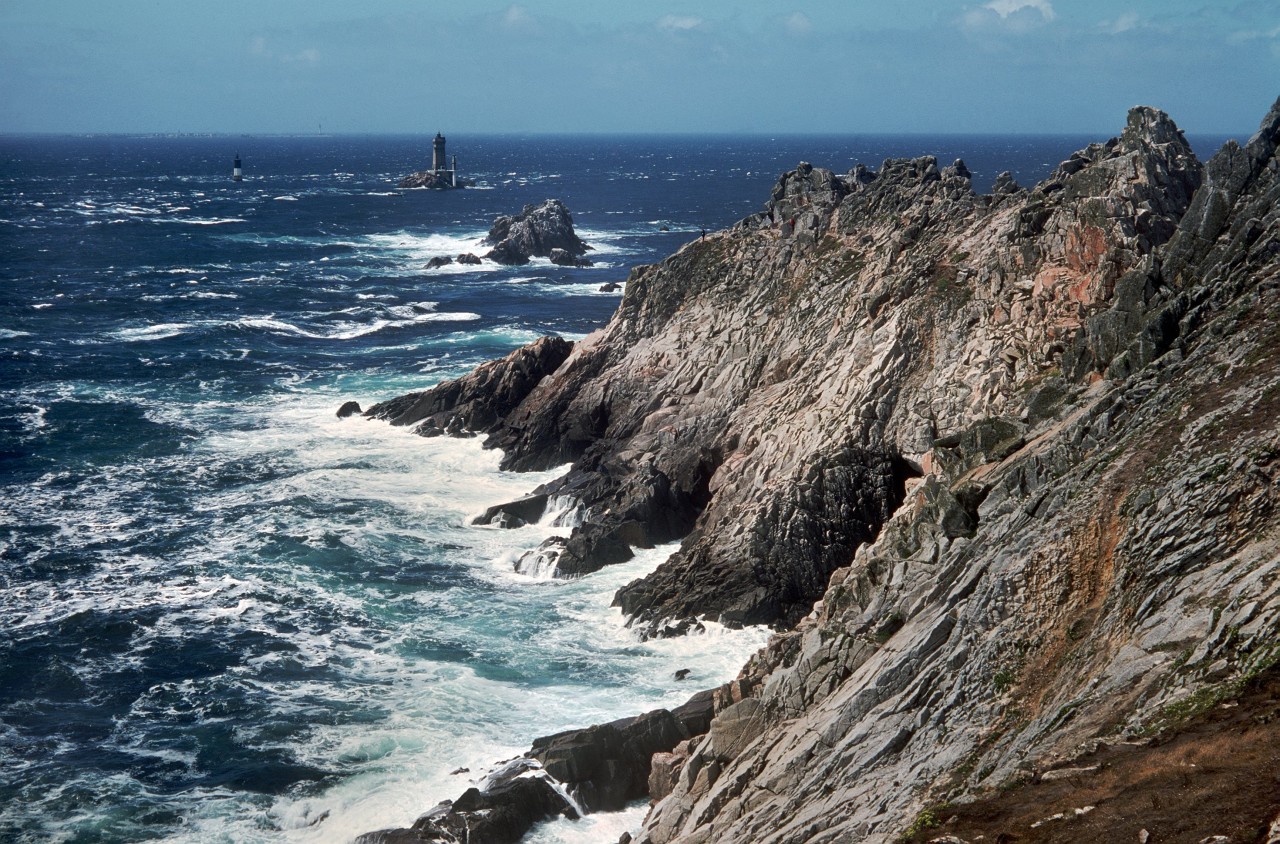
{"x":236,"y":174}
{"x":438,"y":162}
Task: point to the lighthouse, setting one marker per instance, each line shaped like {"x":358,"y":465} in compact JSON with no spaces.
{"x":438,"y":161}
{"x":443,"y":174}
{"x":236,"y":174}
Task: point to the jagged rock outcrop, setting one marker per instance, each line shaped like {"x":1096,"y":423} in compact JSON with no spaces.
{"x":1021,"y":445}
{"x":537,"y":231}
{"x":477,"y":402}
{"x":736,"y":370}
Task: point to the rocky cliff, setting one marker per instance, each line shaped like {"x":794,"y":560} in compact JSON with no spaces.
{"x":1021,"y":448}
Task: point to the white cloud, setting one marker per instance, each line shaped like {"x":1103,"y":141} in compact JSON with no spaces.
{"x":1254,"y":35}
{"x":679,"y":22}
{"x":1124,"y":23}
{"x":516,"y":16}
{"x":1005,"y":8}
{"x":799,"y":24}
{"x":308,"y":56}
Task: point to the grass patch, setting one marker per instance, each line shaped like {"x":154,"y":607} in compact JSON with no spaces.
{"x":926,"y":820}
{"x":1175,"y":715}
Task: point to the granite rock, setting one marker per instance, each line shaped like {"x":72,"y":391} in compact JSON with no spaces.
{"x":535,"y":232}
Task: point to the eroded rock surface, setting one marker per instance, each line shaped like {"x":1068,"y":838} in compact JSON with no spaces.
{"x":1022,"y":446}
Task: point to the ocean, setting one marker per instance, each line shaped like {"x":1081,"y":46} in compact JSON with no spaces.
{"x":227,"y":615}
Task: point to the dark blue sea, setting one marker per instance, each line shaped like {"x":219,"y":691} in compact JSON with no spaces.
{"x":227,"y":615}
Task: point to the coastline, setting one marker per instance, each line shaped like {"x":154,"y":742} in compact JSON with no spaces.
{"x":664,"y":438}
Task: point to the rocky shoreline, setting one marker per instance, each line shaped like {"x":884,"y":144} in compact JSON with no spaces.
{"x":1002,"y":470}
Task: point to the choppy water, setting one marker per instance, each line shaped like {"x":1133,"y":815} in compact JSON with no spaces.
{"x":226,"y":615}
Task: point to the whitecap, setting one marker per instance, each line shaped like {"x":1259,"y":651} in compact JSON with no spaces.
{"x":202,"y":221}
{"x":286,"y":198}
{"x":162,"y":331}
{"x":352,"y":330}
{"x":11,"y":333}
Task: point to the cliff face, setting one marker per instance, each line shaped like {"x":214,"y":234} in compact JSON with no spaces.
{"x":1025,"y":443}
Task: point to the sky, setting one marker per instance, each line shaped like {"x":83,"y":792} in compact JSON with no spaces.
{"x":548,"y":66}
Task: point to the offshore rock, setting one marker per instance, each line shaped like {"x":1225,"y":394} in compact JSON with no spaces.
{"x":434,"y":180}
{"x":534,"y":232}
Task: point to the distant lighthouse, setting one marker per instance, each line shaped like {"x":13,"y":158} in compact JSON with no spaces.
{"x":236,"y":174}
{"x":443,"y":174}
{"x":438,"y":161}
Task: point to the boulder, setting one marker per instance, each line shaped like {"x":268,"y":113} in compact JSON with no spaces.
{"x":349,"y":408}
{"x":468,"y":258}
{"x":562,"y":258}
{"x":524,"y":511}
{"x":439,"y":261}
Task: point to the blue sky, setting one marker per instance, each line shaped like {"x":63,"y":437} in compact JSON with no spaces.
{"x":923,"y":66}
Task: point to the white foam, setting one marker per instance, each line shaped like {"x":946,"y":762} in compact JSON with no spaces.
{"x":162,"y":331}
{"x":286,"y":198}
{"x":202,"y":221}
{"x":589,"y":829}
{"x":11,"y":333}
{"x":545,"y":656}
{"x":351,"y":330}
